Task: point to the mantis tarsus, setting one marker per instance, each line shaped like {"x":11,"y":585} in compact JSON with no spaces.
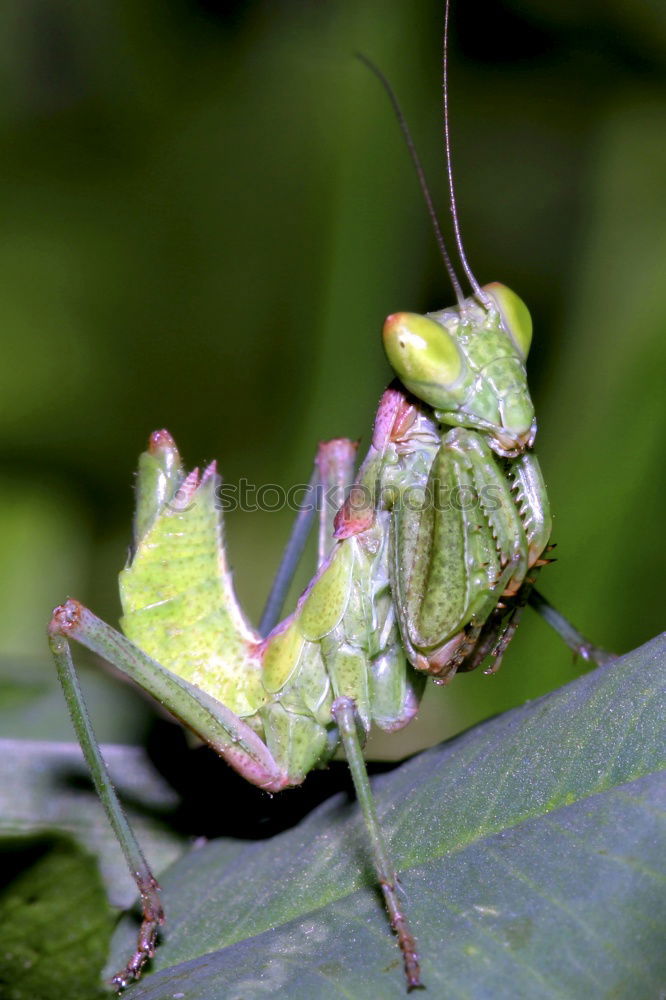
{"x":423,"y":570}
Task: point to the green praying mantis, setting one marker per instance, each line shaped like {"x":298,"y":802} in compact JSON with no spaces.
{"x":423,"y":570}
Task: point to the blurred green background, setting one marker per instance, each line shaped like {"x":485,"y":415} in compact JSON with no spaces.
{"x":206,"y":212}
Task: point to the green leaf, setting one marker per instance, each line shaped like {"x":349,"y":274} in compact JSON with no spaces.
{"x":529,"y":850}
{"x":46,"y":786}
{"x":54,"y":922}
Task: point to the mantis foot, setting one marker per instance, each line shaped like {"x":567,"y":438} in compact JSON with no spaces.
{"x":153,"y":918}
{"x":406,"y":939}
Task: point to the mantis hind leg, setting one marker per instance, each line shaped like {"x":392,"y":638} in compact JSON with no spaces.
{"x":230,"y":736}
{"x":152,"y":912}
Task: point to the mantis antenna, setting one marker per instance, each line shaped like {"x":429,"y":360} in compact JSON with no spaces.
{"x":476,"y":288}
{"x":420,"y":173}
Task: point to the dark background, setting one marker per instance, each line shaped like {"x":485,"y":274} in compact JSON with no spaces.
{"x":206,"y":211}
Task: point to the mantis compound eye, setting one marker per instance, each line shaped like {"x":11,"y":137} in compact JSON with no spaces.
{"x":515,"y":315}
{"x":423,"y":355}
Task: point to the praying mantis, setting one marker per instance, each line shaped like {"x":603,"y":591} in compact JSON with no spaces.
{"x":423,"y":570}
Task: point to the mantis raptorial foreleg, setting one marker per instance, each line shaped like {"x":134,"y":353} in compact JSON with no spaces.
{"x":499,"y":628}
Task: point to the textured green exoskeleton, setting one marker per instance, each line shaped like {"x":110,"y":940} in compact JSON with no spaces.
{"x":486,"y":521}
{"x":422,"y":571}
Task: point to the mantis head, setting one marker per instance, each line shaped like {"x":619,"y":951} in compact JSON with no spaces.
{"x":468,"y":363}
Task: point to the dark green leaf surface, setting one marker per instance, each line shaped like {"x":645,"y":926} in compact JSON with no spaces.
{"x":529,"y":849}
{"x":45,"y":786}
{"x":54,"y":921}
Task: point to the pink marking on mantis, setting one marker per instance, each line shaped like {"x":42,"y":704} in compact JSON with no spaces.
{"x":161,"y":441}
{"x":395,"y":415}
